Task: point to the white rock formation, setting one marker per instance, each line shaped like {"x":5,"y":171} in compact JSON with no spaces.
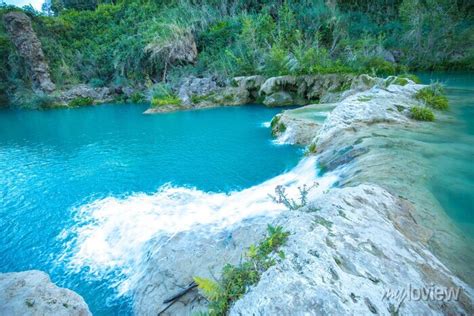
{"x":32,"y":293}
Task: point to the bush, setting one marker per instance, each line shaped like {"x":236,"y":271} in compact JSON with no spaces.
{"x":137,"y":97}
{"x":165,"y":100}
{"x":97,"y":83}
{"x":434,"y":97}
{"x":236,"y":280}
{"x":422,"y":114}
{"x":81,"y":101}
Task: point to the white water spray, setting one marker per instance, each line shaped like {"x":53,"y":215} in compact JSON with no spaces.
{"x":111,"y":233}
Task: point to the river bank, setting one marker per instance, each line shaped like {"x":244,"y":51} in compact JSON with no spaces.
{"x":368,"y":227}
{"x":378,"y":231}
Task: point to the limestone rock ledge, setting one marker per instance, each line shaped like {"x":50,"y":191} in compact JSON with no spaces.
{"x":33,"y":293}
{"x":349,"y":247}
{"x":342,"y":259}
{"x":197,"y":93}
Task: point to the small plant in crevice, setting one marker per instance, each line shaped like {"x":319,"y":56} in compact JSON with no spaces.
{"x":311,"y":149}
{"x":277,"y":126}
{"x":422,"y":114}
{"x":281,"y":197}
{"x":236,"y":279}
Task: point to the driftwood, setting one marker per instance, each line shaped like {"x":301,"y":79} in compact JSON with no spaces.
{"x":173,"y":299}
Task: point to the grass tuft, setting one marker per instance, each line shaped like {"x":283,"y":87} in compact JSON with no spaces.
{"x":81,"y":101}
{"x":433,"y":96}
{"x":422,"y":114}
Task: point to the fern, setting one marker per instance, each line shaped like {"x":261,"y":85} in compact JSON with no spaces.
{"x":211,"y":289}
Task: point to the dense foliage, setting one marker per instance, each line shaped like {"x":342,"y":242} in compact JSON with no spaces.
{"x":130,"y":42}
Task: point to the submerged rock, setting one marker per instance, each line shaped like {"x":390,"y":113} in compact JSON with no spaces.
{"x":32,"y":293}
{"x":21,"y":33}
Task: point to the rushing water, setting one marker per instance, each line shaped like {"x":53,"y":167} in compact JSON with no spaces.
{"x":112,"y":170}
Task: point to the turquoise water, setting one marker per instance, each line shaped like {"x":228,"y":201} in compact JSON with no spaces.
{"x":452,"y":180}
{"x":54,"y":162}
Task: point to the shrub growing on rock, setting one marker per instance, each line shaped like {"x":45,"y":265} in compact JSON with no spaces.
{"x":434,"y":97}
{"x":236,"y":280}
{"x":137,"y":97}
{"x":81,"y":101}
{"x":422,"y":114}
{"x":165,"y":100}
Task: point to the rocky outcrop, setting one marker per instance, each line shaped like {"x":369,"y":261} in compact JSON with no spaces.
{"x":197,"y":93}
{"x":193,"y":86}
{"x":300,"y":126}
{"x":351,"y":246}
{"x":21,"y":33}
{"x":175,"y":262}
{"x":305,"y":89}
{"x":370,"y":138}
{"x":344,"y":258}
{"x":99,"y":95}
{"x":32,"y":293}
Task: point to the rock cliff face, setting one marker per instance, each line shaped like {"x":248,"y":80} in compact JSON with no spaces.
{"x":29,"y":47}
{"x":196,"y":93}
{"x":32,"y":293}
{"x":351,"y":246}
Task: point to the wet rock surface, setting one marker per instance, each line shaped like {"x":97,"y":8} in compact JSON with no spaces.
{"x":33,"y":293}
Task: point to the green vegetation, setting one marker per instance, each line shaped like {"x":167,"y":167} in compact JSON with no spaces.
{"x":236,"y":279}
{"x":412,"y":77}
{"x":195,"y":99}
{"x":140,"y":43}
{"x":400,"y":81}
{"x":81,"y":101}
{"x":167,"y":100}
{"x":433,"y":96}
{"x":137,"y":97}
{"x":277,"y":126}
{"x":422,"y":114}
{"x":163,"y":95}
{"x":312,"y":148}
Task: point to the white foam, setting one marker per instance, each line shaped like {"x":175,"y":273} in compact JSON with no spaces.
{"x":285,"y":138}
{"x":266,"y":124}
{"x":111,"y":233}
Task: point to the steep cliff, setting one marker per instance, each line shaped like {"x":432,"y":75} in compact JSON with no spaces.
{"x":21,"y":33}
